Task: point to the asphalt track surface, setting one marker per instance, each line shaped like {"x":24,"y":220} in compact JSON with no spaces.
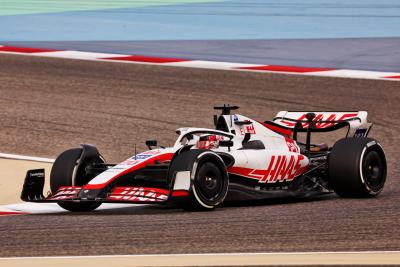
{"x":48,"y":105}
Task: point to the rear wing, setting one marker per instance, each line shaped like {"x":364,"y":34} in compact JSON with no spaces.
{"x":325,"y":121}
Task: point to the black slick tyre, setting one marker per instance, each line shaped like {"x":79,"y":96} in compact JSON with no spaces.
{"x":65,"y":172}
{"x":209,"y":178}
{"x":357,"y":167}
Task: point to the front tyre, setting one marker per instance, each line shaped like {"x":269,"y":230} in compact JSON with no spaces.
{"x":209,"y":178}
{"x":209,"y":186}
{"x":67,"y":172}
{"x":357,"y":167}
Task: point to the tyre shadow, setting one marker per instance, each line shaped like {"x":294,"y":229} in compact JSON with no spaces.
{"x":158,"y":209}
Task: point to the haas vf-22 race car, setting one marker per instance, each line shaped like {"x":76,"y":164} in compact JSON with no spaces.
{"x":240,"y":159}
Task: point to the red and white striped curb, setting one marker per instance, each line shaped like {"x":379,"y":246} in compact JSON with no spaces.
{"x":178,"y":62}
{"x":25,"y":208}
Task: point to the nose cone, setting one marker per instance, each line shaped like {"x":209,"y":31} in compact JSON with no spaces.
{"x":90,"y":194}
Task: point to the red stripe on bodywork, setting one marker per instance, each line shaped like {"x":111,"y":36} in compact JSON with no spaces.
{"x":8,"y":213}
{"x":147,"y":59}
{"x":161,"y":157}
{"x":285,"y":69}
{"x":119,"y":190}
{"x":66,"y":192}
{"x":138,"y":194}
{"x":280,"y":130}
{"x":393,"y":77}
{"x":24,"y":49}
{"x":243,"y":172}
{"x":180,"y":193}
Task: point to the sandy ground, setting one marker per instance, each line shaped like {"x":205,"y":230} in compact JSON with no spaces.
{"x":12,"y":174}
{"x":262,"y":259}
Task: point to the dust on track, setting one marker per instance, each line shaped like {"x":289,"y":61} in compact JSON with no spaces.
{"x":49,"y":105}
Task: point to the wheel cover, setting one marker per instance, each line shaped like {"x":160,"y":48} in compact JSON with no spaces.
{"x":210,"y":184}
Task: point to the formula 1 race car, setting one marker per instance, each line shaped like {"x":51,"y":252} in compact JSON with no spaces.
{"x":240,"y":159}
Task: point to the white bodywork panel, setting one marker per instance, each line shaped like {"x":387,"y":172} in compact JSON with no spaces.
{"x":182,"y":181}
{"x":279,"y":161}
{"x":133,"y":161}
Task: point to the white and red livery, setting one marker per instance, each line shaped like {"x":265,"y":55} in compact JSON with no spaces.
{"x":240,"y":159}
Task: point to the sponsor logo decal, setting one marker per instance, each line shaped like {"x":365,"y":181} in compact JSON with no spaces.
{"x":321,"y":120}
{"x":150,"y":152}
{"x":291,"y":145}
{"x":36,"y":174}
{"x":250,"y":129}
{"x":138,"y":194}
{"x":247,"y":129}
{"x":66,"y":193}
{"x":360,"y":133}
{"x":281,"y":168}
{"x":140,"y":157}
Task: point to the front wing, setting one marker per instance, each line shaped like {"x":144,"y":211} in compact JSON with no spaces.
{"x":32,"y":191}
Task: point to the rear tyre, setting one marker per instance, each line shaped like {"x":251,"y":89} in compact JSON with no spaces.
{"x":66,"y":172}
{"x":209,"y":178}
{"x":357,"y":167}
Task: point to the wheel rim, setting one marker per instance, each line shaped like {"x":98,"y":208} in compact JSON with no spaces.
{"x":210,"y":183}
{"x":373,"y":170}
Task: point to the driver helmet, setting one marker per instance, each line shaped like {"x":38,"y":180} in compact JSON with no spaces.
{"x":208,"y":141}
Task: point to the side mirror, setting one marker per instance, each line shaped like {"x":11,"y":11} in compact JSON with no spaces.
{"x":151,"y":143}
{"x":226,"y":143}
